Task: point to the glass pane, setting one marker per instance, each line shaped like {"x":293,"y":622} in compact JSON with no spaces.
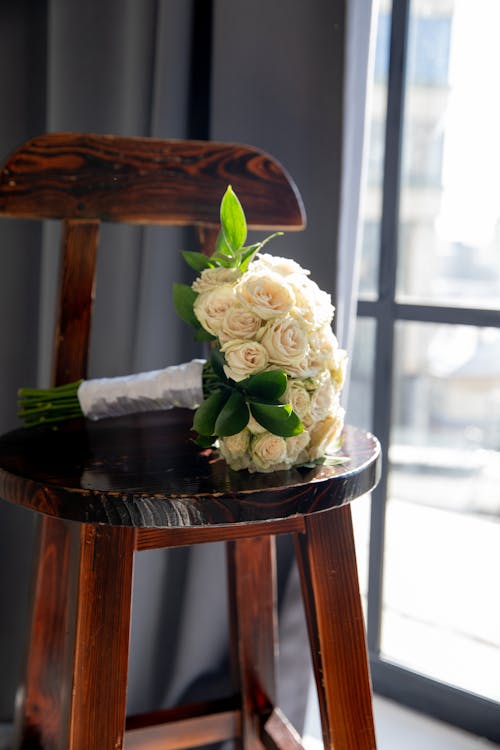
{"x":372,"y":197}
{"x":359,"y":414}
{"x":449,"y":243}
{"x":360,"y":401}
{"x":441,"y":614}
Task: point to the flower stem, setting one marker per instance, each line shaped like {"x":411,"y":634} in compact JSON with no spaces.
{"x":49,"y":405}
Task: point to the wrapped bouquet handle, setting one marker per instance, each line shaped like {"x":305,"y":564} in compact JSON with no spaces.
{"x":157,"y":390}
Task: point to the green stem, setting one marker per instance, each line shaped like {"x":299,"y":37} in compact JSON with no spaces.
{"x":49,"y":405}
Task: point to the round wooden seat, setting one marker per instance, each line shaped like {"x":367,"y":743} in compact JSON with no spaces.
{"x":145,"y":471}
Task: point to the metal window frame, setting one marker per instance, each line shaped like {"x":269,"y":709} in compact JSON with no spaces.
{"x":455,"y":706}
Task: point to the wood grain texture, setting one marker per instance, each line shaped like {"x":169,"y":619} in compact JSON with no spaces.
{"x":251,"y":567}
{"x":42,"y":716}
{"x":145,"y":180}
{"x":185,"y":726}
{"x":330,"y":589}
{"x":207,"y":238}
{"x":180,"y":537}
{"x":203,"y":730}
{"x":76,"y":297}
{"x":278,"y":734}
{"x":144,"y":471}
{"x":97,"y":719}
{"x":75,"y":690}
{"x":228,"y":704}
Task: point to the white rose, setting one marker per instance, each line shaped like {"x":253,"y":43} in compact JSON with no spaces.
{"x":297,"y":395}
{"x":210,"y":307}
{"x":236,"y":445}
{"x":313,"y":305}
{"x":267,"y":294}
{"x":324,"y":434}
{"x":210,"y":278}
{"x":234,"y":449}
{"x":286,"y":341}
{"x":242,"y":462}
{"x":295,"y":447}
{"x":324,"y":342}
{"x":338,"y":367}
{"x":283,"y":266}
{"x":268,"y":451}
{"x":239,"y":323}
{"x":254,"y":426}
{"x":324,"y":401}
{"x":244,"y":358}
{"x":301,"y":369}
{"x":322,"y":351}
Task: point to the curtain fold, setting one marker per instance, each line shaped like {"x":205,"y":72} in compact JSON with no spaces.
{"x":359,"y":58}
{"x":22,"y":67}
{"x":125,"y":67}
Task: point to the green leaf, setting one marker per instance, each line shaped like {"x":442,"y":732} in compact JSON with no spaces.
{"x":280,"y":420}
{"x":247,"y":254}
{"x":197,"y":261}
{"x":206,"y":415}
{"x":233,"y":222}
{"x":222,"y":260}
{"x":218,"y":360}
{"x":251,"y":250}
{"x":221,"y":246}
{"x":269,"y":386}
{"x":205,"y":441}
{"x":203,"y":335}
{"x":223,"y":255}
{"x":234,"y":416}
{"x":184,"y":298}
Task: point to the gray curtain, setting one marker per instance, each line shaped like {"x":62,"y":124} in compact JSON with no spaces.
{"x":125,"y":67}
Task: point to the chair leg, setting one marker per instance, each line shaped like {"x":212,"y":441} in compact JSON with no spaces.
{"x":42,"y":701}
{"x":252,"y":603}
{"x":327,"y":565}
{"x":74,"y":697}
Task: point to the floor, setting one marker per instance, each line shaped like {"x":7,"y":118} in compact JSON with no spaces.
{"x":399,"y":728}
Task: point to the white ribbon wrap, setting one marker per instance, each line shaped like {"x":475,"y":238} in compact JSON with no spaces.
{"x":179,"y":385}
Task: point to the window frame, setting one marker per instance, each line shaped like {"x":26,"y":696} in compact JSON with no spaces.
{"x":453,"y":705}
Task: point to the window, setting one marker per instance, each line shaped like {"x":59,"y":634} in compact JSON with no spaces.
{"x":426,"y":360}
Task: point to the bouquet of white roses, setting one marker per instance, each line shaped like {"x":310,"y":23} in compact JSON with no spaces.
{"x":278,"y":370}
{"x":269,"y":394}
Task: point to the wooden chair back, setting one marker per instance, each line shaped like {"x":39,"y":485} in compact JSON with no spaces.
{"x":84,"y":180}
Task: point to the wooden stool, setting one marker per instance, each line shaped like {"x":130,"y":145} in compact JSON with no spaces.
{"x":114,"y":487}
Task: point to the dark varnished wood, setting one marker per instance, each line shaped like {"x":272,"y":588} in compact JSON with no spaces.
{"x":144,"y":471}
{"x":76,"y":296}
{"x":97,"y":718}
{"x":44,"y":699}
{"x":330,"y":589}
{"x":185,"y":726}
{"x":278,"y":734}
{"x":145,"y":180}
{"x":207,"y":238}
{"x":251,"y":565}
{"x":180,"y":537}
{"x":75,"y":690}
{"x":185,"y":733}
